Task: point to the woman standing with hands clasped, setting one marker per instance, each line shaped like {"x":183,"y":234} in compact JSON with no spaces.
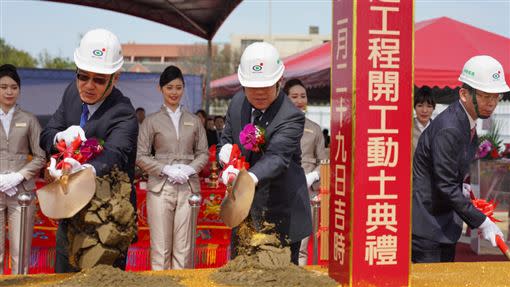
{"x":180,"y":144}
{"x":312,"y":149}
{"x":19,"y":138}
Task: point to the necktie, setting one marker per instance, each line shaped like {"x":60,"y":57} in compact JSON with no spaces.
{"x":473,"y":131}
{"x":257,"y":115}
{"x":84,"y":115}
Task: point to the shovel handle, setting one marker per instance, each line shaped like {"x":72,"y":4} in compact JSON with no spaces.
{"x":64,"y":179}
{"x":502,"y":246}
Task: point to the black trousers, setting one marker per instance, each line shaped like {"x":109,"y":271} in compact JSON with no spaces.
{"x":62,"y":264}
{"x":429,"y":251}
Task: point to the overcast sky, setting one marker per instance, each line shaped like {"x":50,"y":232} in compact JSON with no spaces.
{"x":37,"y":25}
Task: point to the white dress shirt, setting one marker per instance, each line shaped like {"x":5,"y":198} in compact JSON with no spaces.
{"x":6,"y":119}
{"x":93,"y":108}
{"x":175,"y":116}
{"x":472,"y":123}
{"x":420,"y":126}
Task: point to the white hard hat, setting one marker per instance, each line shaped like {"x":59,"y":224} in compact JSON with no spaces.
{"x":260,"y":66}
{"x":99,"y":52}
{"x":484,"y":73}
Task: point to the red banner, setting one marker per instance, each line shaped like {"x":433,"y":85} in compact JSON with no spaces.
{"x":340,"y":249}
{"x":374,"y":210}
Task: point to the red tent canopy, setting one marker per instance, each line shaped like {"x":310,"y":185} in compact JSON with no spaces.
{"x":442,"y":47}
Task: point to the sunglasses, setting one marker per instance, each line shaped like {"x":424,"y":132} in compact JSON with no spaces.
{"x":86,"y":78}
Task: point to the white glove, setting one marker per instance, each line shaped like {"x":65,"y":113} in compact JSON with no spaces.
{"x":70,"y":134}
{"x":224,"y":154}
{"x":186,"y":169}
{"x":311,"y":177}
{"x":11,"y":191}
{"x":57,"y":173}
{"x":489,"y":230}
{"x":174,"y":174}
{"x":254,"y":177}
{"x":466,"y":190}
{"x":226,"y":173}
{"x":10,"y":180}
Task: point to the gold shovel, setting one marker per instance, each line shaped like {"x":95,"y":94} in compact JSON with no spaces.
{"x":67,"y":195}
{"x":237,"y":203}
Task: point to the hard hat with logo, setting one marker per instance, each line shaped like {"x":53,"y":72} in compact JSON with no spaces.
{"x":260,"y":66}
{"x":484,"y":73}
{"x":99,"y":52}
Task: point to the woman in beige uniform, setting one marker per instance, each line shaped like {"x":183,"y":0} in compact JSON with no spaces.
{"x":312,"y":149}
{"x":19,"y":139}
{"x":180,"y":144}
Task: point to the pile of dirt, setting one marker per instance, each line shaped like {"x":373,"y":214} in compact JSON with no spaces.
{"x":262,"y":261}
{"x":104,"y":275}
{"x":103,"y":230}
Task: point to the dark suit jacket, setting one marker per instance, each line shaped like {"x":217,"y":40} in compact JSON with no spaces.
{"x":114,"y":122}
{"x":441,"y":161}
{"x":281,"y":196}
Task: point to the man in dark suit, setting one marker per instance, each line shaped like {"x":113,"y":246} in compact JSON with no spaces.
{"x":441,"y":162}
{"x":281,"y":195}
{"x":93,"y":107}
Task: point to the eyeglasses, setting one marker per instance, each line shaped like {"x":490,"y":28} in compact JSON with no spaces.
{"x":86,"y":78}
{"x":488,"y":98}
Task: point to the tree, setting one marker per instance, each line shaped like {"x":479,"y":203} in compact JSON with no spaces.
{"x":18,"y":58}
{"x":50,"y":62}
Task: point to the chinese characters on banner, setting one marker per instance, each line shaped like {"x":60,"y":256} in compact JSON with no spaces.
{"x":373,"y":147}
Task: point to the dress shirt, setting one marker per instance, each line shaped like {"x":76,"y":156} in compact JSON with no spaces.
{"x":175,"y":116}
{"x":422,"y":127}
{"x":6,"y":119}
{"x":472,"y":123}
{"x":93,"y":108}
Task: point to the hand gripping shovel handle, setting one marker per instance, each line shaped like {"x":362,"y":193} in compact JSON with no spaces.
{"x":502,"y":246}
{"x":64,"y":179}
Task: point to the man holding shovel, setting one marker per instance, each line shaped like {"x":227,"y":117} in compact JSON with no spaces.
{"x":280,"y":196}
{"x":93,"y":107}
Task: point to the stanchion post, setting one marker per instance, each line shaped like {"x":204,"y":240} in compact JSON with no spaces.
{"x":315,"y":201}
{"x":24,"y":200}
{"x":194,"y":201}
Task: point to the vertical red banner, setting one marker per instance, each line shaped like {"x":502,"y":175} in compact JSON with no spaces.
{"x":340,"y":221}
{"x":377,"y":142}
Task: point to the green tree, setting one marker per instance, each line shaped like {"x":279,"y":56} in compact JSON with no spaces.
{"x":50,"y":62}
{"x":18,"y":58}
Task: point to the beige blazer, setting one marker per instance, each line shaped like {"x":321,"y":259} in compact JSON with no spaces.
{"x":158,"y":132}
{"x":23,"y":140}
{"x":312,"y":147}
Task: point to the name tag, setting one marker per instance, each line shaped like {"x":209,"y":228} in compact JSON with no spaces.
{"x":188,"y":123}
{"x":308,"y":131}
{"x":21,"y":125}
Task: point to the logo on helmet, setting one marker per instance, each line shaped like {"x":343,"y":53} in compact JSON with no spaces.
{"x":257,"y":68}
{"x":98,"y":52}
{"x":468,"y":72}
{"x":496,"y":76}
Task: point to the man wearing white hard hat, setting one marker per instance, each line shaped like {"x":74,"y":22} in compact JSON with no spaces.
{"x":281,"y":196}
{"x":93,"y":107}
{"x":441,"y":162}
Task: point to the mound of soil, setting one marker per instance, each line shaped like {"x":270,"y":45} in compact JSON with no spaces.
{"x":262,"y":261}
{"x":104,"y":275}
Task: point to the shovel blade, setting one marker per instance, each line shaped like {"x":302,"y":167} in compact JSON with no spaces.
{"x":56,"y":203}
{"x":236,"y":206}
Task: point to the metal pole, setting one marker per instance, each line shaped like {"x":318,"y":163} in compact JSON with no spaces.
{"x":208,"y":72}
{"x":315,"y":202}
{"x":194,"y":201}
{"x":24,"y":200}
